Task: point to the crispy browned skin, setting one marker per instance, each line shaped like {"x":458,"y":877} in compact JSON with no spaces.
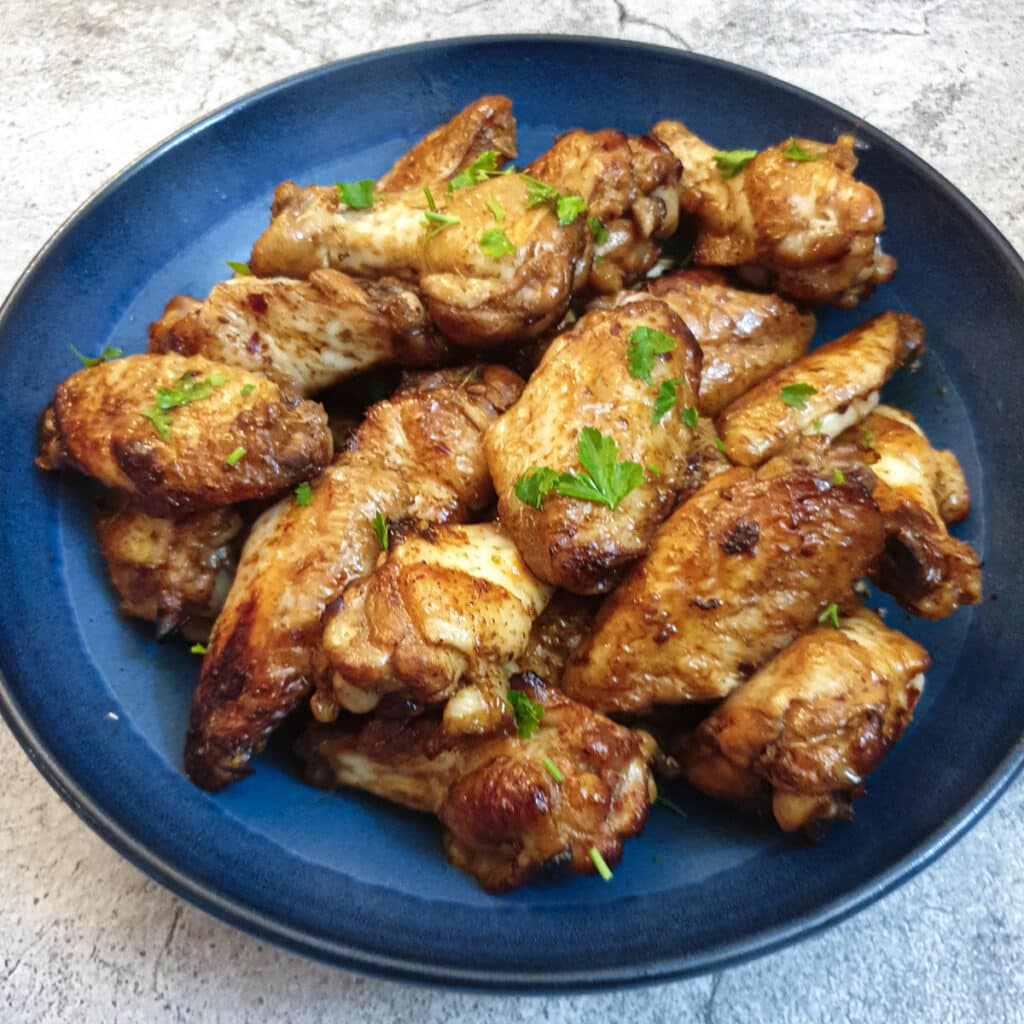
{"x":506,"y":818}
{"x":806,"y":229}
{"x":556,"y":633}
{"x":174,"y":573}
{"x":584,"y":381}
{"x":743,"y":335}
{"x":734,"y":575}
{"x":847,"y":374}
{"x":96,"y":426}
{"x":485,"y":124}
{"x":446,"y":607}
{"x":307,"y":335}
{"x":417,"y":455}
{"x":804,"y":733}
{"x":918,"y":489}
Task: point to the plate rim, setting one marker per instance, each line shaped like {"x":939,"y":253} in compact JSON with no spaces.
{"x":337,"y":953}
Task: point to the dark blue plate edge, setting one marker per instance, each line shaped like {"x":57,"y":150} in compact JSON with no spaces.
{"x":333,"y":952}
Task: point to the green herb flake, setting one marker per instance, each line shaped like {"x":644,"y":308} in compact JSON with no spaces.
{"x":431,"y":205}
{"x":568,"y":208}
{"x":838,"y":477}
{"x":495,"y":243}
{"x":239,"y":269}
{"x":438,"y":222}
{"x":720,"y":445}
{"x":796,"y":395}
{"x":109,"y":352}
{"x":666,"y":400}
{"x":670,"y":805}
{"x":380,"y":530}
{"x":198,"y":649}
{"x":688,"y":414}
{"x":248,"y":389}
{"x":537,"y":192}
{"x":304,"y":494}
{"x":236,"y":456}
{"x":732,"y":161}
{"x":357,"y":195}
{"x":817,"y":425}
{"x":552,"y":770}
{"x":186,"y":390}
{"x":497,"y":210}
{"x":867,"y":436}
{"x":600,"y":863}
{"x":527,"y":713}
{"x":653,"y":469}
{"x":483,"y":167}
{"x":830,"y":615}
{"x":598,"y":230}
{"x":534,"y":484}
{"x":643,"y":345}
{"x":794,"y":151}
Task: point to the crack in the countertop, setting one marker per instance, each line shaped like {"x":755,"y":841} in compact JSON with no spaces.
{"x":627,"y":17}
{"x":708,"y":1010}
{"x":178,"y":910}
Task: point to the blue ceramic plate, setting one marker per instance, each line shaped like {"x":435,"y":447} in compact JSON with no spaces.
{"x":101,"y":708}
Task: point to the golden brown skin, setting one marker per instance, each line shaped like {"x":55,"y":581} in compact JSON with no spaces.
{"x":733,"y":576}
{"x":806,"y":229}
{"x":485,"y":124}
{"x":583,"y":381}
{"x":175,"y":573}
{"x":506,"y":818}
{"x":307,"y":335}
{"x":96,"y":426}
{"x":556,"y":633}
{"x":744,"y":336}
{"x":417,"y":455}
{"x":918,"y":490}
{"x":446,"y":607}
{"x":803,"y":734}
{"x":847,"y":374}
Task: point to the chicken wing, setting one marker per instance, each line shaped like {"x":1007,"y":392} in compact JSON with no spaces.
{"x":180,"y":435}
{"x":555,"y":634}
{"x":734,"y":575}
{"x":918,"y":490}
{"x":175,"y":573}
{"x":824,"y":392}
{"x":585,"y":381}
{"x":486,"y":124}
{"x":447,"y":607}
{"x":794,"y":219}
{"x":804,"y":733}
{"x":417,"y":455}
{"x":507,"y":815}
{"x":307,"y":335}
{"x":744,"y":336}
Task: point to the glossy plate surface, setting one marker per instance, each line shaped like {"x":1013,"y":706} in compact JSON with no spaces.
{"x":101,"y":708}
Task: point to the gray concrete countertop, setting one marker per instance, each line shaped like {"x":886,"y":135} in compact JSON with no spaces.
{"x":88,"y":84}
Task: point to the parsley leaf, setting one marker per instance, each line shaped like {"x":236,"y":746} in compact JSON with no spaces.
{"x":248,"y":389}
{"x":240,"y":269}
{"x":304,"y":494}
{"x":867,"y":438}
{"x":528,"y":713}
{"x":483,"y":167}
{"x":794,"y":151}
{"x":495,"y":243}
{"x":537,"y":192}
{"x":497,"y":210}
{"x":568,"y":208}
{"x":688,"y":414}
{"x":109,"y":352}
{"x":598,"y":230}
{"x":732,"y":161}
{"x":357,"y":195}
{"x":796,"y":395}
{"x":599,"y":862}
{"x":537,"y":481}
{"x":380,"y":530}
{"x":653,"y":469}
{"x":431,"y":205}
{"x":667,"y":398}
{"x":236,"y":456}
{"x":553,"y":770}
{"x":838,"y":477}
{"x":830,"y":615}
{"x":197,"y":649}
{"x":720,"y":445}
{"x":187,"y":389}
{"x":644,"y":343}
{"x":441,"y":220}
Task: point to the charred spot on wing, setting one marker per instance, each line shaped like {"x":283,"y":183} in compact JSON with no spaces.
{"x":739,"y":538}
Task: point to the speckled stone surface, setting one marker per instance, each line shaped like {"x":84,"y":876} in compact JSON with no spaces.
{"x":86,"y":86}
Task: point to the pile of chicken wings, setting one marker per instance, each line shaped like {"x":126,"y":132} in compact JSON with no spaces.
{"x":598,"y":499}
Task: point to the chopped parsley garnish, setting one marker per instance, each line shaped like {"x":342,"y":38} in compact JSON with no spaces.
{"x":598,"y":230}
{"x":838,"y":477}
{"x":304,"y":494}
{"x":599,"y":862}
{"x":109,"y":352}
{"x":796,"y":395}
{"x":495,"y":243}
{"x":483,"y":167}
{"x":528,"y":713}
{"x":537,"y":192}
{"x":794,"y":151}
{"x":186,"y":390}
{"x":553,"y":770}
{"x":732,"y":161}
{"x":240,"y":269}
{"x":358,"y":195}
{"x":653,"y":469}
{"x":817,"y":425}
{"x":830,"y":615}
{"x":644,"y":344}
{"x":236,"y":456}
{"x":568,"y":208}
{"x":666,"y":400}
{"x":663,"y":801}
{"x":431,"y":205}
{"x":497,"y":210}
{"x":198,"y":649}
{"x":606,"y":480}
{"x":720,"y":445}
{"x":867,"y":436}
{"x":380,"y":530}
{"x":248,"y":389}
{"x":688,"y":414}
{"x":439,"y":221}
